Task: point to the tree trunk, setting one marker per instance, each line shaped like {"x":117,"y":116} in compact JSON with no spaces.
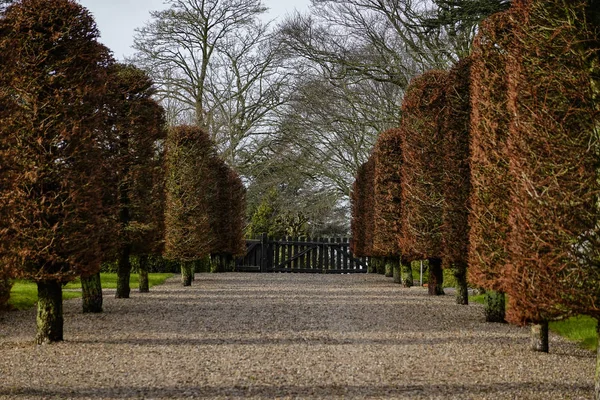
{"x":494,"y":306}
{"x":187,"y":268}
{"x":389,"y":267}
{"x":396,"y":270}
{"x":407,"y":278}
{"x":436,"y":277}
{"x":49,"y":312}
{"x":379,"y":265}
{"x":539,"y":337}
{"x":371,"y":267}
{"x":123,"y":273}
{"x":143,"y":274}
{"x":91,"y":292}
{"x":597,"y":376}
{"x":462,"y":290}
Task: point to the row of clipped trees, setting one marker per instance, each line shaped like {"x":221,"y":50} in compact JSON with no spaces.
{"x":493,"y":171}
{"x":90,"y":174}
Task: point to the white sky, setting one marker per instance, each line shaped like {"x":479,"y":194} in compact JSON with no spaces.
{"x":117,"y":19}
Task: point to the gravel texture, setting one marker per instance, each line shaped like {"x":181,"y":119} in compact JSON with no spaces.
{"x":285,"y":336}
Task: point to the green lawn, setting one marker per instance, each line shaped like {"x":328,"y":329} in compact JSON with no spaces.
{"x":581,"y":329}
{"x":24,"y":293}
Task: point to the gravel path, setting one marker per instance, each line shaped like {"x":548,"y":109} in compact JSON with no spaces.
{"x":285,"y":336}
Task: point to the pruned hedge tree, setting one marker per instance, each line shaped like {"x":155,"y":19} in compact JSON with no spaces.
{"x":387,"y":204}
{"x":490,"y":181}
{"x":227,"y":214}
{"x":554,"y":244}
{"x":188,"y":232}
{"x":456,"y":178}
{"x":422,"y":173}
{"x":136,"y":125}
{"x":362,"y":203}
{"x":52,"y":83}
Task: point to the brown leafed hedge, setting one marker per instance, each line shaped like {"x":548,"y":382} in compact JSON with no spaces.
{"x":362,"y":203}
{"x":227,"y":211}
{"x":554,"y":246}
{"x":490,"y":182}
{"x":387,"y":193}
{"x":456,"y":179}
{"x":422,"y":167}
{"x":51,"y":88}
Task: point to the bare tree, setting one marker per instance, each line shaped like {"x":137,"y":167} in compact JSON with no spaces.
{"x":215,"y":67}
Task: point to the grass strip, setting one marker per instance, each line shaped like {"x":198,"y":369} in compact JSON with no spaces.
{"x":580,"y":329}
{"x":23,"y":294}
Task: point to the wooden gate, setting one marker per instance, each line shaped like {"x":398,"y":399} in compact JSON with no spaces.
{"x":306,"y":255}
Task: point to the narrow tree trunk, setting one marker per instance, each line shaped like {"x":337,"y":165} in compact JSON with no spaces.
{"x":123,"y":273}
{"x":389,"y":267}
{"x":379,"y":265}
{"x":407,"y":278}
{"x":539,"y":337}
{"x":187,"y":268}
{"x":436,"y":277}
{"x":91,"y":293}
{"x":49,"y":312}
{"x":396,"y":270}
{"x":462,"y":290}
{"x":143,"y":273}
{"x":597,"y":376}
{"x":494,"y":306}
{"x":371,"y":267}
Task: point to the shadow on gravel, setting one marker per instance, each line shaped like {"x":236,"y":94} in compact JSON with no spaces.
{"x":503,"y":389}
{"x":287,"y":341}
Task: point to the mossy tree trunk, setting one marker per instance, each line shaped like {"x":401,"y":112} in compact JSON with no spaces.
{"x":371,"y":267}
{"x":143,"y":273}
{"x":389,"y":267}
{"x":218,"y":263}
{"x":462,"y":289}
{"x":495,"y":306}
{"x":49,"y":312}
{"x":124,"y":273}
{"x":379,"y":265}
{"x":91,"y":292}
{"x":187,"y":272}
{"x":539,"y":337}
{"x":396,"y":269}
{"x":436,"y":277}
{"x":407,"y":278}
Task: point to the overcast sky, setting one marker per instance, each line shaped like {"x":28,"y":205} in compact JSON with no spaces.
{"x":117,"y":19}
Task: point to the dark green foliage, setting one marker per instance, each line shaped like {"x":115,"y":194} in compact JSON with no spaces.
{"x":495,"y":306}
{"x":270,"y":218}
{"x":188,"y":234}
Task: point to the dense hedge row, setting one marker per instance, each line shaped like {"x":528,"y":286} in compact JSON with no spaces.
{"x":497,"y":162}
{"x":387,"y":194}
{"x":490,"y":181}
{"x":363,"y":208}
{"x":84,"y":177}
{"x":553,"y":244}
